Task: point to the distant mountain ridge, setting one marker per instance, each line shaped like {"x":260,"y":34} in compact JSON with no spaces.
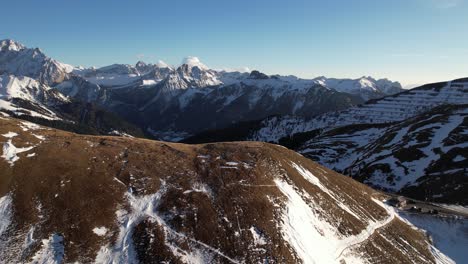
{"x":394,"y":108}
{"x":174,"y":102}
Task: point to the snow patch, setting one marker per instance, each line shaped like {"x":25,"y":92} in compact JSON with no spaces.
{"x":39,"y":137}
{"x":51,"y":252}
{"x":257,"y":236}
{"x":10,"y":135}
{"x":149,"y":82}
{"x":10,"y":152}
{"x":145,"y":207}
{"x":200,"y":188}
{"x":100,"y":231}
{"x":29,"y":126}
{"x":5,"y":213}
{"x":121,"y":134}
{"x":29,"y":240}
{"x":457,"y":208}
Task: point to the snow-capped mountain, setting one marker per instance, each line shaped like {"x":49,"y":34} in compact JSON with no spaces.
{"x":190,"y":98}
{"x":193,"y":98}
{"x":143,"y":67}
{"x":29,"y":99}
{"x":366,"y":87}
{"x":197,"y":74}
{"x":123,"y":200}
{"x":117,"y":75}
{"x":163,"y":108}
{"x":16,"y":59}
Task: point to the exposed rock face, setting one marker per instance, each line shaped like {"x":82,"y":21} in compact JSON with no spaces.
{"x":18,"y":60}
{"x":258,"y":75}
{"x":82,"y":90}
{"x":65,"y":197}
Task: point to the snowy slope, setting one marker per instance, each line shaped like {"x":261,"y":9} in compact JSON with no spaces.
{"x":28,"y":99}
{"x":395,"y":108}
{"x":160,"y":202}
{"x":423,"y":157}
{"x":26,"y":96}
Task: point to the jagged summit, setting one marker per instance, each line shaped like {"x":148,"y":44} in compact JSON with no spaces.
{"x":141,"y":64}
{"x":258,"y":75}
{"x":149,"y":66}
{"x":11,"y":45}
{"x":18,"y":60}
{"x":196,"y":74}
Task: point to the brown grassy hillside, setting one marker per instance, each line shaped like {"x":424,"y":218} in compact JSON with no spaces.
{"x":101,"y":199}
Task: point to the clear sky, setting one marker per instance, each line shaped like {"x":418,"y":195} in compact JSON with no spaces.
{"x":411,"y":41}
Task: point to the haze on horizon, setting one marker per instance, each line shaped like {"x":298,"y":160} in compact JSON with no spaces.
{"x":411,"y":41}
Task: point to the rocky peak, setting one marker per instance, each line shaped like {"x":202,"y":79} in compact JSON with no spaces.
{"x":10,"y":45}
{"x":258,"y":75}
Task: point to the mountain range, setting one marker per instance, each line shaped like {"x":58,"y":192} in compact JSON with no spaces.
{"x":174,"y":102}
{"x":360,"y":170}
{"x":335,"y":122}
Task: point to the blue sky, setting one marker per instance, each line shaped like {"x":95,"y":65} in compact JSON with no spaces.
{"x":412,"y":41}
